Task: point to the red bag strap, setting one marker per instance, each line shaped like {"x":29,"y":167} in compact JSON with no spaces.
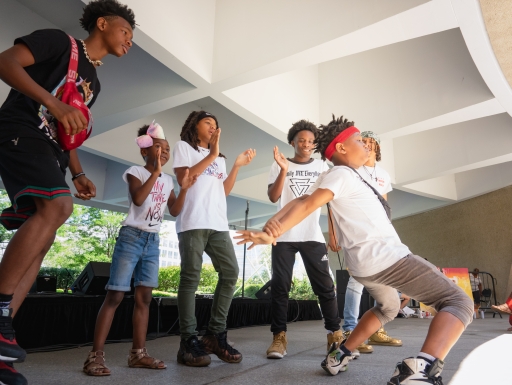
{"x":73,"y":61}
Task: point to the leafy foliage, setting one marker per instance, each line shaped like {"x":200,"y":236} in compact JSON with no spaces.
{"x":88,"y":235}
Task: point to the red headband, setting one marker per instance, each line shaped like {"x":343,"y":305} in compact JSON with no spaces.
{"x":342,"y":137}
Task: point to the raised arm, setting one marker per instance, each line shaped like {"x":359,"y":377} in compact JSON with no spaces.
{"x":275,"y":189}
{"x":241,"y":160}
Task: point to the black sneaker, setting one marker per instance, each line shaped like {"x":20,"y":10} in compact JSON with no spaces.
{"x":218,"y":344}
{"x":412,"y":371}
{"x":192,"y":353}
{"x":9,"y":375}
{"x":10,"y":351}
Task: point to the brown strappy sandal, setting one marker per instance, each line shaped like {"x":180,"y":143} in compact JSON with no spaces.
{"x":136,"y":356}
{"x":95,"y":364}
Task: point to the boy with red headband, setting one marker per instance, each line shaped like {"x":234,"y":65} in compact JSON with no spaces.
{"x":376,"y":257}
{"x":32,"y":162}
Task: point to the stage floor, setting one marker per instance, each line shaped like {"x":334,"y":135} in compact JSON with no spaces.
{"x":480,"y":345}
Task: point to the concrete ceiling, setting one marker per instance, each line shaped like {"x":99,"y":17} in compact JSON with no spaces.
{"x":422,"y":74}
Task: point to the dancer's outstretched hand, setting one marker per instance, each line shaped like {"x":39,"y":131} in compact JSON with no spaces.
{"x":280,"y":159}
{"x":245,"y":157}
{"x":256,"y":237}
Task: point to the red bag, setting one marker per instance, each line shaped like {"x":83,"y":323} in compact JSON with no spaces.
{"x":72,"y":97}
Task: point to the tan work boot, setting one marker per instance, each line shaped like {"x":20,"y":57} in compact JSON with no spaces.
{"x":336,"y":336}
{"x":380,"y":337}
{"x":363,"y":348}
{"x":278,"y":347}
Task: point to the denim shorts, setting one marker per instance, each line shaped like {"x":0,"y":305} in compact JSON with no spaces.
{"x":136,"y":254}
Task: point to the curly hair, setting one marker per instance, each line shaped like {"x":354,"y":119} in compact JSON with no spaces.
{"x":109,"y":9}
{"x":143,"y":130}
{"x":301,"y":125}
{"x":328,"y":132}
{"x":189,"y":130}
{"x":378,"y":156}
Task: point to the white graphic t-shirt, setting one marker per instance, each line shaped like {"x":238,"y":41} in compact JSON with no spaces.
{"x":299,"y":178}
{"x":150,"y":214}
{"x":205,"y":204}
{"x":370,"y":241}
{"x":377,"y":177}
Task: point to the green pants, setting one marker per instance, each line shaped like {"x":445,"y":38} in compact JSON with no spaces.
{"x":218,"y":246}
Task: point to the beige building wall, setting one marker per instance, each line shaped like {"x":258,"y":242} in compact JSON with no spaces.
{"x":473,"y":233}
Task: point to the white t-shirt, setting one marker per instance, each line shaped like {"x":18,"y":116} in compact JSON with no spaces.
{"x":370,"y":241}
{"x":205,"y":204}
{"x":377,"y":177}
{"x":474,"y":282}
{"x":150,"y":214}
{"x":299,"y":178}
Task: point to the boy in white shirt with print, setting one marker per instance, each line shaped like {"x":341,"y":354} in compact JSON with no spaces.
{"x":290,"y":179}
{"x":381,"y":181}
{"x":376,"y":257}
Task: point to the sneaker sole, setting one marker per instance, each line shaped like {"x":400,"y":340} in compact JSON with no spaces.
{"x":343,"y":369}
{"x":196,"y":365}
{"x":276,"y":355}
{"x":383,"y":344}
{"x":11,"y":359}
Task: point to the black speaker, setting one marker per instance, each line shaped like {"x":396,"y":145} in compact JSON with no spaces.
{"x":44,"y":284}
{"x":93,"y":279}
{"x":342,"y":277}
{"x":265,"y":292}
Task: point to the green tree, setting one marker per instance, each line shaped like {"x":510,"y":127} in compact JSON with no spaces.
{"x":88,"y":235}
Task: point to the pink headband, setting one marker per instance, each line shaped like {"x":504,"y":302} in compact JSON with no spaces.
{"x":342,"y":137}
{"x":154,"y":131}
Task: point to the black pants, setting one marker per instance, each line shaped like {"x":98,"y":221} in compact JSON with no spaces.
{"x":314,"y":255}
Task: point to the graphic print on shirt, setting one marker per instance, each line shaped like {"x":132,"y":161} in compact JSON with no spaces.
{"x":48,"y":122}
{"x":213,"y":170}
{"x":300,"y":186}
{"x":156,"y":210}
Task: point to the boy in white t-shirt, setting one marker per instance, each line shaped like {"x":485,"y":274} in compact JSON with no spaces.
{"x":381,"y":181}
{"x":137,"y":250}
{"x":289,"y":179}
{"x":376,"y":257}
{"x":202,"y":226}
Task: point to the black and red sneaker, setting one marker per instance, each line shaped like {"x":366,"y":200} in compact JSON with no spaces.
{"x":218,"y":344}
{"x":10,"y":351}
{"x":9,"y":375}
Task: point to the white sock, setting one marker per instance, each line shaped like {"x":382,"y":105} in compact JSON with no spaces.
{"x":426,"y":356}
{"x":330,"y":332}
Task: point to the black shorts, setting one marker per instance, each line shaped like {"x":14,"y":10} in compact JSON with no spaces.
{"x":476,"y":297}
{"x":30,"y":167}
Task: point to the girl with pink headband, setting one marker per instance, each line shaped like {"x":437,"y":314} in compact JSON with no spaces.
{"x":137,"y":250}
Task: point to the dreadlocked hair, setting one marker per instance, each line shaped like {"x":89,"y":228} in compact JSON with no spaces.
{"x":301,"y":125}
{"x":109,"y":9}
{"x":378,"y":157}
{"x":189,"y":131}
{"x":327,"y":133}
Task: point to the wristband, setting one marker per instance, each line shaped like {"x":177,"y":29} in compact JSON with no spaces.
{"x":77,"y":176}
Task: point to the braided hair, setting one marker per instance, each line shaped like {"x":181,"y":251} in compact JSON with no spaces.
{"x":301,"y":125}
{"x":328,"y":132}
{"x":189,"y":130}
